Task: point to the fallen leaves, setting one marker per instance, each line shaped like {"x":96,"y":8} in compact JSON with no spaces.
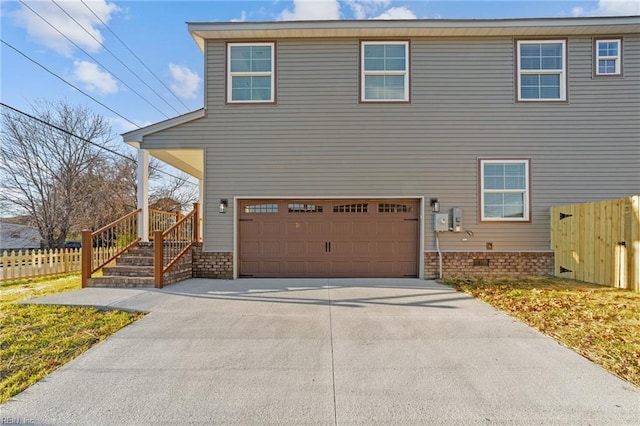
{"x":600,"y":323}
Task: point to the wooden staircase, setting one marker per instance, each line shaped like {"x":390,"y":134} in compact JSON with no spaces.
{"x":132,"y":269}
{"x":137,"y":263}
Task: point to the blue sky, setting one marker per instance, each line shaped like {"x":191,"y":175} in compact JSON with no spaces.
{"x":156,"y":32}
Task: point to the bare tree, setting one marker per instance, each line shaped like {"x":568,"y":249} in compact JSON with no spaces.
{"x":45,"y":171}
{"x":174,"y":191}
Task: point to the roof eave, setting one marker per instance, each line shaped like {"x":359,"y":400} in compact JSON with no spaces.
{"x":540,"y":27}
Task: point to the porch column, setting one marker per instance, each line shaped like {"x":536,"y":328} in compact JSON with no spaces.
{"x":201,"y":202}
{"x":143,"y":194}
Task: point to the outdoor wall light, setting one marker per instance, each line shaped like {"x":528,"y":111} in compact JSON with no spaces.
{"x":435,"y":205}
{"x":224,"y":203}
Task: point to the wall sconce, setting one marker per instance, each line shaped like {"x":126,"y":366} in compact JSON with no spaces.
{"x":224,"y":203}
{"x":435,"y":205}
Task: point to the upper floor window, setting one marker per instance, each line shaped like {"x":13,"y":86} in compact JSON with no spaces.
{"x":384,"y":71}
{"x":504,"y":194}
{"x":250,"y":72}
{"x":608,"y":57}
{"x":542,"y":70}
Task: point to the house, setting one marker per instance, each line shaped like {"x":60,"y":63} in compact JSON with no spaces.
{"x":14,"y":236}
{"x":337,"y":148}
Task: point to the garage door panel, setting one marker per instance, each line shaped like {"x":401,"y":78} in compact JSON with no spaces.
{"x":318,"y":228}
{"x":272,"y":248}
{"x":328,"y":238}
{"x":250,"y":248}
{"x":271,"y":267}
{"x":317,"y":269}
{"x":297,"y":248}
{"x":272,"y":228}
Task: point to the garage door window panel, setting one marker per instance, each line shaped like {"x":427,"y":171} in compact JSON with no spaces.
{"x":261,"y":208}
{"x":351,"y":208}
{"x":394,"y":208}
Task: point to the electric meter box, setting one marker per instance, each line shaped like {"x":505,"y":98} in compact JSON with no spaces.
{"x":456,"y":219}
{"x":441,"y":222}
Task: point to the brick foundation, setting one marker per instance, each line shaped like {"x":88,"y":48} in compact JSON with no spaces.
{"x":485,"y":263}
{"x":212,"y":264}
{"x":181,"y":270}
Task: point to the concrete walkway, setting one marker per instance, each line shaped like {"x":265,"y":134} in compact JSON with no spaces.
{"x":320,"y":352}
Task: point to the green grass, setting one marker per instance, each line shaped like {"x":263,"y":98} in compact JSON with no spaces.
{"x":600,"y":323}
{"x":37,"y":339}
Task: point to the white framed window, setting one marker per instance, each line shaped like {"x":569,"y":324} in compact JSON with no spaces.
{"x":608,"y":57}
{"x":384,"y":69}
{"x":504,"y":192}
{"x":250,"y":72}
{"x":542,"y":74}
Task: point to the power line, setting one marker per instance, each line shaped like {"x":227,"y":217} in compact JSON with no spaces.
{"x":133,"y":53}
{"x":70,"y":84}
{"x":116,"y":57}
{"x":60,"y":129}
{"x":94,"y":59}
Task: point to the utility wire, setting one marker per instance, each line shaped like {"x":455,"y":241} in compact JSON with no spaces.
{"x":116,"y":57}
{"x":70,"y":84}
{"x":94,"y":59}
{"x":136,"y":56}
{"x":60,"y":129}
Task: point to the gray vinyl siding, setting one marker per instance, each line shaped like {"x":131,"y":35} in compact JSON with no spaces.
{"x":318,"y":141}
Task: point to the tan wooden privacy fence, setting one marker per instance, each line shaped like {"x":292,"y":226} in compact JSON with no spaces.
{"x":38,"y":263}
{"x":598,"y":242}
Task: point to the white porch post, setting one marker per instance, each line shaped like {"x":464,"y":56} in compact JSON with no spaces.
{"x":143,"y":194}
{"x":201,"y":212}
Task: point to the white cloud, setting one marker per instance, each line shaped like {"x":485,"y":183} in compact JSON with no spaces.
{"x":363,"y":9}
{"x":311,"y":10}
{"x":397,"y":13}
{"x":577,"y":11}
{"x":610,"y":8}
{"x":185,"y":82}
{"x":120,"y":125}
{"x":94,"y":79}
{"x":242,"y":18}
{"x":44,"y":34}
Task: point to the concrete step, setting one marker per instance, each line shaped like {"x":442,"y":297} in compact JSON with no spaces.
{"x":110,"y":281}
{"x":128,"y":271}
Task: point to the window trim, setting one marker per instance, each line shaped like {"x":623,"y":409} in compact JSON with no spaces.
{"x":597,"y":57}
{"x":562,"y":73}
{"x":230,"y":75}
{"x":527,"y":191}
{"x":407,"y":72}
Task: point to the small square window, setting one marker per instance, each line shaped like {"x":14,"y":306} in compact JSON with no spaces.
{"x":608,"y":57}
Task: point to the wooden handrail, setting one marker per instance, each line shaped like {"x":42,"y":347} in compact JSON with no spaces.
{"x":178,"y":223}
{"x":159,"y":240}
{"x":111,"y":240}
{"x":116,"y":222}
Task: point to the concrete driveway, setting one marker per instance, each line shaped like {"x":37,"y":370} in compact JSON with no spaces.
{"x":320,"y":352}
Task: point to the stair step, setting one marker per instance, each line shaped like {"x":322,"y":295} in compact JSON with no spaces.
{"x":110,"y":281}
{"x":145,"y":252}
{"x":128,"y":271}
{"x":130,"y":260}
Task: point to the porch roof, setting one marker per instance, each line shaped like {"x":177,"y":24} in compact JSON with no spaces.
{"x":190,"y":161}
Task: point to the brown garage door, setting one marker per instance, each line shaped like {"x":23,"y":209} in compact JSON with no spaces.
{"x":328,"y":238}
